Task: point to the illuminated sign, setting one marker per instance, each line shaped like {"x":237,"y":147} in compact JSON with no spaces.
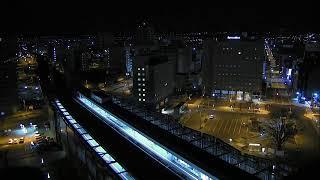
{"x":233,"y":37}
{"x":254,"y":144}
{"x":289,"y":73}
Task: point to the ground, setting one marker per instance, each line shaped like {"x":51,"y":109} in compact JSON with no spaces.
{"x":234,"y":126}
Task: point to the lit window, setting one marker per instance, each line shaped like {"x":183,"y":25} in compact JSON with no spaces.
{"x":139,"y":79}
{"x":143,"y":89}
{"x":138,"y":69}
{"x":139,"y":89}
{"x":139,"y":99}
{"x":139,"y":84}
{"x":142,"y":69}
{"x":139,"y":94}
{"x":143,"y":84}
{"x":143,"y":94}
{"x":144,"y":99}
{"x":138,"y":74}
{"x":143,"y":79}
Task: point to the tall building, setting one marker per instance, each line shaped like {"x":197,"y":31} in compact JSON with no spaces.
{"x":8,"y":96}
{"x":104,"y":40}
{"x":129,"y":56}
{"x":106,"y":57}
{"x":233,"y":66}
{"x":144,"y":33}
{"x":153,"y":79}
{"x":309,"y":70}
{"x":184,"y":60}
{"x":117,"y":64}
{"x":72,"y":66}
{"x":288,"y":52}
{"x":85,"y":60}
{"x":187,"y":76}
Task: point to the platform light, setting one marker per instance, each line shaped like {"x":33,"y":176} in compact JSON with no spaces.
{"x":193,"y":172}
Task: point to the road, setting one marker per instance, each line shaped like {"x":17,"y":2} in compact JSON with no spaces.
{"x":277,"y":85}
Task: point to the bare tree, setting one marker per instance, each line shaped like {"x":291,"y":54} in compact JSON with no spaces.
{"x":280,"y":127}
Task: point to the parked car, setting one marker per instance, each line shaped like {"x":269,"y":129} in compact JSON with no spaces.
{"x":21,"y":140}
{"x":15,"y":141}
{"x":211,"y":116}
{"x":39,"y":138}
{"x":10,"y":141}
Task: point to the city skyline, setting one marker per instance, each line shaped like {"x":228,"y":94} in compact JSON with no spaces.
{"x":166,"y":91}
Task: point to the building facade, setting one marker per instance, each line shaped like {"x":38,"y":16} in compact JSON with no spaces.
{"x":153,"y":79}
{"x":309,"y":70}
{"x":233,"y":66}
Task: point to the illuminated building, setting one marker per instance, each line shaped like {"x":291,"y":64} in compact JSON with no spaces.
{"x":233,"y":66}
{"x":153,"y":79}
{"x":309,"y":70}
{"x":129,"y":59}
{"x":85,"y":58}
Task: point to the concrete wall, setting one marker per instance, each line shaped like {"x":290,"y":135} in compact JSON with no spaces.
{"x":83,"y":157}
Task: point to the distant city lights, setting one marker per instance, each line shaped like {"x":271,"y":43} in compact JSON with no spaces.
{"x":54,"y":54}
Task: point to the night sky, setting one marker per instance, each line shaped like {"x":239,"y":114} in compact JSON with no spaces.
{"x":61,"y":17}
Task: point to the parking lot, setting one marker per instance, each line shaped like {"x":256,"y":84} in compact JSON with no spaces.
{"x":225,"y":125}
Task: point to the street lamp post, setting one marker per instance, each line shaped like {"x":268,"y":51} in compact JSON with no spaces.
{"x":200,"y":120}
{"x":200,"y":115}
